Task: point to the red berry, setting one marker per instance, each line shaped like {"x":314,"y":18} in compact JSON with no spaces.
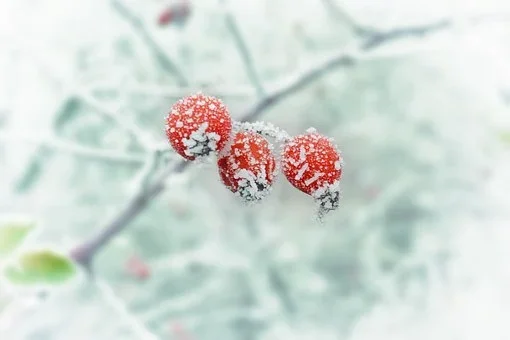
{"x":312,"y":164}
{"x":137,"y":268}
{"x":198,"y":125}
{"x":176,"y":13}
{"x":165,"y":17}
{"x":247,"y":168}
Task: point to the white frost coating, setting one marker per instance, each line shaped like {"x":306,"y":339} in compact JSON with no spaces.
{"x":200,"y":142}
{"x":311,"y":130}
{"x":338,"y":165}
{"x":251,"y":187}
{"x":302,"y":154}
{"x":179,"y":124}
{"x":265,"y":129}
{"x":301,"y":172}
{"x":327,"y":198}
{"x":315,"y":177}
{"x":301,"y":160}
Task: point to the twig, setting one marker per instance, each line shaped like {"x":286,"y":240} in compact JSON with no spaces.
{"x":245,"y":53}
{"x":72,"y":148}
{"x":121,"y":121}
{"x":85,"y":252}
{"x":164,"y":60}
{"x":120,"y":307}
{"x":152,"y":89}
{"x":345,"y":17}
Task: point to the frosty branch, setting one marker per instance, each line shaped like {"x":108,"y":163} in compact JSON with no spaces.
{"x":66,"y":146}
{"x":85,"y":252}
{"x":161,"y":56}
{"x":244,"y":52}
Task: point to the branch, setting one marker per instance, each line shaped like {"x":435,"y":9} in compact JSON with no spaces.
{"x":121,"y":121}
{"x":344,"y":16}
{"x":154,"y":89}
{"x":85,"y":252}
{"x":72,"y":148}
{"x":121,"y":309}
{"x":245,"y":53}
{"x":164,"y":60}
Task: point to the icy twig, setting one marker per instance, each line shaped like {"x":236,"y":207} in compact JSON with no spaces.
{"x":148,"y":170}
{"x":152,"y":89}
{"x":85,"y":252}
{"x":120,"y":307}
{"x":161,"y":56}
{"x":121,"y":121}
{"x":66,"y":146}
{"x":265,"y":129}
{"x":245,"y":53}
{"x":341,"y":14}
{"x":224,"y":317}
{"x":182,"y":302}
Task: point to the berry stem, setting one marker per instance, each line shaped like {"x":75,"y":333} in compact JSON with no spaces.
{"x":161,"y":56}
{"x":265,"y":129}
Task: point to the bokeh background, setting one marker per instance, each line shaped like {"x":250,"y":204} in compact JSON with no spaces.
{"x":419,"y":248}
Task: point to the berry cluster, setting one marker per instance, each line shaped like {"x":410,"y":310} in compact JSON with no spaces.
{"x":200,"y":125}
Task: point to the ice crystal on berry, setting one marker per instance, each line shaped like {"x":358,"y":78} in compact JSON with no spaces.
{"x":248,"y":166}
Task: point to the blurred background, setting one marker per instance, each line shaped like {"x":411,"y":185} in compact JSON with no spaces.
{"x":419,"y":248}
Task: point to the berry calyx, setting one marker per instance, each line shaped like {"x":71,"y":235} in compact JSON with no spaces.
{"x":312,"y":164}
{"x":247,"y":167}
{"x":198,"y":125}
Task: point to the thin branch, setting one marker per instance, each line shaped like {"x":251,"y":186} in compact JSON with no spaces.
{"x":152,"y":89}
{"x":85,"y":252}
{"x":159,"y":52}
{"x":121,"y":309}
{"x":244,"y":51}
{"x":121,"y":121}
{"x":342,"y":15}
{"x":73,"y":148}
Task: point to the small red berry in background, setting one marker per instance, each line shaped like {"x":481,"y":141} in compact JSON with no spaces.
{"x":312,"y":164}
{"x":198,"y":125}
{"x":247,"y":168}
{"x":137,"y":268}
{"x":180,"y":332}
{"x":177,"y":13}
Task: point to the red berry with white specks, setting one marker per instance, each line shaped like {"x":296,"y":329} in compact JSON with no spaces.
{"x":312,"y":164}
{"x":198,"y":125}
{"x":247,"y":168}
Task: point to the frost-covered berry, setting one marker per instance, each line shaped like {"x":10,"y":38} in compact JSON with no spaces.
{"x":247,"y":167}
{"x":198,"y":125}
{"x":312,"y":164}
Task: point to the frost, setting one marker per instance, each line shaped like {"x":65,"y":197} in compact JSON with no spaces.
{"x":252,"y":188}
{"x":313,"y":179}
{"x":201,"y":143}
{"x":265,"y":129}
{"x":301,"y":172}
{"x":327,"y":198}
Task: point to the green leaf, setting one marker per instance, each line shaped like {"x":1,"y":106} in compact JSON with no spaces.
{"x":40,"y":267}
{"x":12,"y":235}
